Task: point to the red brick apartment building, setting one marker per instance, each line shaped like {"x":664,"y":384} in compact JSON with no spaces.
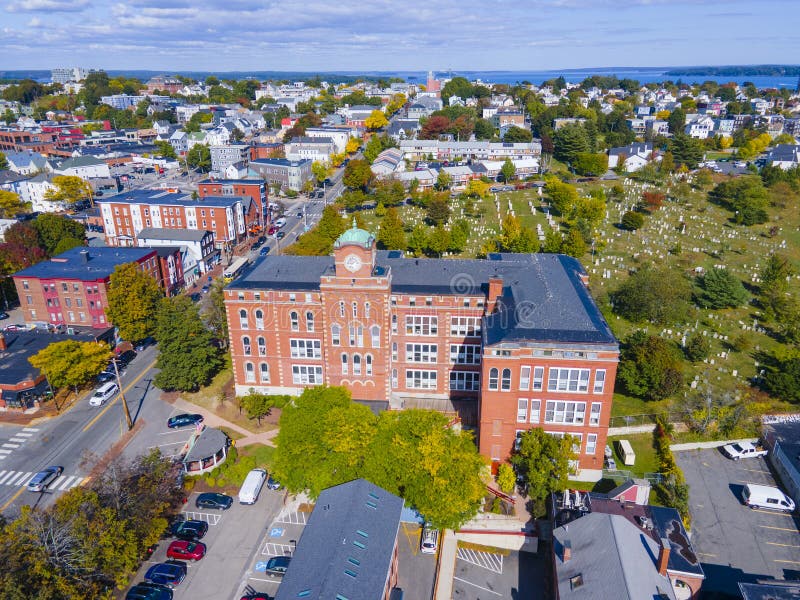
{"x":124,"y":216}
{"x":509,"y":343}
{"x":71,"y":288}
{"x":255,"y":189}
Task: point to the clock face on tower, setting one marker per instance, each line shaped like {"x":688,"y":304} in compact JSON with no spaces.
{"x":352,"y":263}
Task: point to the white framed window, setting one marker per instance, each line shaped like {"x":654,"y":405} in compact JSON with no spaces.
{"x":246,"y":345}
{"x":524,"y":378}
{"x":568,"y":380}
{"x":336,"y":335}
{"x":356,"y":335}
{"x":395,"y":383}
{"x":305,"y":348}
{"x":465,"y":381}
{"x":355,"y":309}
{"x":295,"y":321}
{"x":522,"y":410}
{"x":494,"y":378}
{"x":561,"y":411}
{"x":422,"y":325}
{"x":249,"y":372}
{"x":421,"y":353}
{"x":375,"y":336}
{"x":591,"y":443}
{"x":262,"y":346}
{"x":536,"y":408}
{"x":264,"y":368}
{"x":594,"y":414}
{"x":344,"y":363}
{"x":259,"y":319}
{"x":243,"y":319}
{"x":465,"y":354}
{"x":599,"y":381}
{"x":505,"y":381}
{"x":356,"y":364}
{"x":394,"y":323}
{"x":577,"y":441}
{"x":394,"y":351}
{"x":368,"y":364}
{"x":538,"y":378}
{"x":306,"y":374}
{"x":309,"y":321}
{"x":465,"y":326}
{"x":421,"y":380}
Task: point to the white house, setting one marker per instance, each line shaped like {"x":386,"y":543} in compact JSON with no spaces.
{"x":700,"y":127}
{"x":310,"y":148}
{"x":34,"y":189}
{"x":27,"y":163}
{"x":785,"y":156}
{"x":635,"y":156}
{"x":85,"y":167}
{"x":388,"y":162}
{"x":338,"y":135}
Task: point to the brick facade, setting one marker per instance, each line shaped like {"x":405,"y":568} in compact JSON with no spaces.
{"x":254,"y":189}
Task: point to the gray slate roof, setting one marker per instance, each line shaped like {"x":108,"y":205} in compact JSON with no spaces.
{"x":612,"y":556}
{"x":543,"y":298}
{"x":355,"y":520}
{"x":70,"y":265}
{"x":207,"y":445}
{"x":162,"y":198}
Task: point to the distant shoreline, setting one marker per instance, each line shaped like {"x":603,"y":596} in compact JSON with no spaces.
{"x":737,"y":71}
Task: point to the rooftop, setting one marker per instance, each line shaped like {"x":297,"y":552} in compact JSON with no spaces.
{"x":164,"y":198}
{"x":347,"y":547}
{"x":85,"y":264}
{"x":178,"y":235}
{"x":356,"y":236}
{"x":208,"y":443}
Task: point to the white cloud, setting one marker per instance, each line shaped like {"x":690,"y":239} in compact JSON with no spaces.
{"x":47,"y":6}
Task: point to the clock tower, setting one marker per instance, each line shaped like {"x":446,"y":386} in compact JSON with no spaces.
{"x":354,"y":253}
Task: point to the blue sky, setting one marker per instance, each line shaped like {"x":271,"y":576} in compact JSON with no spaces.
{"x":324,"y":35}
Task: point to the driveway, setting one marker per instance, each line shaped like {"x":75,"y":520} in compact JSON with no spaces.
{"x":417,"y":571}
{"x":484,"y":573}
{"x":735,"y":543}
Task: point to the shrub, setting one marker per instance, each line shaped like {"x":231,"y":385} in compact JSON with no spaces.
{"x":632,"y":220}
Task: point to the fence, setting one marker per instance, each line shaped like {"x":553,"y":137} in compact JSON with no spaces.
{"x":645,"y":419}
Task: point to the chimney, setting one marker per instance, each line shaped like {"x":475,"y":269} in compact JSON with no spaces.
{"x":566,"y":551}
{"x":663,"y":556}
{"x":495,"y":291}
{"x":3,"y":345}
{"x":84,"y":256}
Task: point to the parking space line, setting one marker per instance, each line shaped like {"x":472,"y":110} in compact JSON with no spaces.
{"x":292,"y":518}
{"x":791,"y":562}
{"x":706,"y":554}
{"x":784,"y":545}
{"x":17,"y":439}
{"x":476,"y":585}
{"x":265,"y":580}
{"x":757,"y":471}
{"x":772,"y":512}
{"x":792,"y":529}
{"x":486,"y":560}
{"x":271,"y":549}
{"x":209,"y":518}
{"x":413,"y":538}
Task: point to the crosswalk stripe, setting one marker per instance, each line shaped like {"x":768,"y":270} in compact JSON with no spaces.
{"x":16,"y":439}
{"x":10,"y":445}
{"x":24,"y":434}
{"x":66,"y":483}
{"x":56,"y":483}
{"x":4,"y":451}
{"x":31,"y":429}
{"x":2,"y":456}
{"x":5,"y":475}
{"x":24,"y":479}
{"x":78,"y":481}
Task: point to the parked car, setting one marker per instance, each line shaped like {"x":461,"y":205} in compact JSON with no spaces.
{"x":105,"y":392}
{"x":213,"y":500}
{"x":186,"y":550}
{"x":429,"y":540}
{"x":126,"y":357}
{"x":254,"y":246}
{"x":766,"y":496}
{"x":149,"y":591}
{"x":205,"y":289}
{"x":280,"y":235}
{"x":251,"y":487}
{"x":272,"y":230}
{"x":743,"y":450}
{"x":104,"y":377}
{"x":256,"y":597}
{"x":262,"y":239}
{"x":272,"y":483}
{"x":170,"y":573}
{"x":195,"y":297}
{"x":16,"y":327}
{"x":183,"y":420}
{"x":277,"y":565}
{"x":191,"y":529}
{"x":145,"y":343}
{"x":264,"y":251}
{"x":3,"y":316}
{"x":44,"y":478}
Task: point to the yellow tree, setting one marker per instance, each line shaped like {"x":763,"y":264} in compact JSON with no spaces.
{"x":477,"y":188}
{"x":133,"y":299}
{"x":10,"y":204}
{"x":353,"y":144}
{"x":376,"y":120}
{"x":71,"y":363}
{"x":69,"y":189}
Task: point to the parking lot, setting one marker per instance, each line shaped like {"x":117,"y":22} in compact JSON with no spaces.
{"x":735,"y":543}
{"x":417,"y":571}
{"x":484,"y":573}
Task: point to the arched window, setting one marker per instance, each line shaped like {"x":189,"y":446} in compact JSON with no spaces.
{"x":309,"y":321}
{"x":262,"y":347}
{"x":355,"y":309}
{"x":336,"y":335}
{"x":368,"y":361}
{"x":493,"y":376}
{"x":341,"y":308}
{"x":344,"y":364}
{"x":243,"y":319}
{"x":294,"y":321}
{"x":264,"y":372}
{"x":356,"y":364}
{"x":259,"y":319}
{"x":394,"y":379}
{"x":375,"y":336}
{"x":246,"y":345}
{"x":249,"y":372}
{"x":505,"y":383}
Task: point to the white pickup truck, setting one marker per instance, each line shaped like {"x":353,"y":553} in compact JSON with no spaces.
{"x":743,"y":450}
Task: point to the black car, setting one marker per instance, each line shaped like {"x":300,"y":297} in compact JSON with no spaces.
{"x":195,"y":297}
{"x":277,"y":565}
{"x":273,"y":484}
{"x":126,"y":357}
{"x":106,"y":376}
{"x":145,"y":343}
{"x":191,"y":529}
{"x":169,"y":573}
{"x":262,"y":239}
{"x":183,"y":420}
{"x":213,"y":500}
{"x":254,"y":246}
{"x":149,"y":591}
{"x":280,"y":235}
{"x":3,"y":316}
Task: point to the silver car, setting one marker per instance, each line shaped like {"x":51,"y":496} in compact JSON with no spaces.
{"x":44,"y":478}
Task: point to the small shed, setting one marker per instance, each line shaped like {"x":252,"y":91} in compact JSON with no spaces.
{"x":625,"y":451}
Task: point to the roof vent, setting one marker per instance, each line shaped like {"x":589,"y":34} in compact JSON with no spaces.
{"x":494,"y":256}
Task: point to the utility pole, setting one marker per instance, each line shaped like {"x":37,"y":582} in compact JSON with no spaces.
{"x":122,"y":395}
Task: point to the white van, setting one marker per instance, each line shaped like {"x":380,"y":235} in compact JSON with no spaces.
{"x":280,"y":222}
{"x":765,"y":496}
{"x":248,"y":494}
{"x":103,"y":393}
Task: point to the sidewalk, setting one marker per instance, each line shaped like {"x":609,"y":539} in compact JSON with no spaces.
{"x":212,"y":419}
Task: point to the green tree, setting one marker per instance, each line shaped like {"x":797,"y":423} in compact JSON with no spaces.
{"x":677,"y":121}
{"x":3,"y":160}
{"x":69,"y":189}
{"x":165,"y":149}
{"x":319,"y":170}
{"x":508,"y":171}
{"x":719,"y":288}
{"x":570,"y":140}
{"x":483,"y":129}
{"x":745,"y":196}
{"x":542,"y":461}
{"x":213,"y":312}
{"x":357,"y":174}
{"x":667,"y":164}
{"x":443,"y":180}
{"x":506,"y":478}
{"x":783,"y":378}
{"x":650,"y":367}
{"x":188,"y":358}
{"x":196,"y":121}
{"x":133,"y":301}
{"x":199,"y":157}
{"x":563,"y":196}
{"x":516,"y":134}
{"x":661,"y":295}
{"x":438,"y":210}
{"x":418,"y":240}
{"x":697,"y":347}
{"x":587,"y":163}
{"x":10,"y":204}
{"x":391,"y":235}
{"x":686,"y":150}
{"x":257,"y":406}
{"x":71,"y":363}
{"x":632,"y":220}
{"x":573,"y":243}
{"x":54,"y":230}
{"x":439,"y":240}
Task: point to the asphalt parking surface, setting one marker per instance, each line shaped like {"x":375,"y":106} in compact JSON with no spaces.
{"x":488,"y":574}
{"x":417,"y":571}
{"x":736,"y":543}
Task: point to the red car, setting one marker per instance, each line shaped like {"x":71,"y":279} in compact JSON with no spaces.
{"x":186,"y":550}
{"x":272,"y":230}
